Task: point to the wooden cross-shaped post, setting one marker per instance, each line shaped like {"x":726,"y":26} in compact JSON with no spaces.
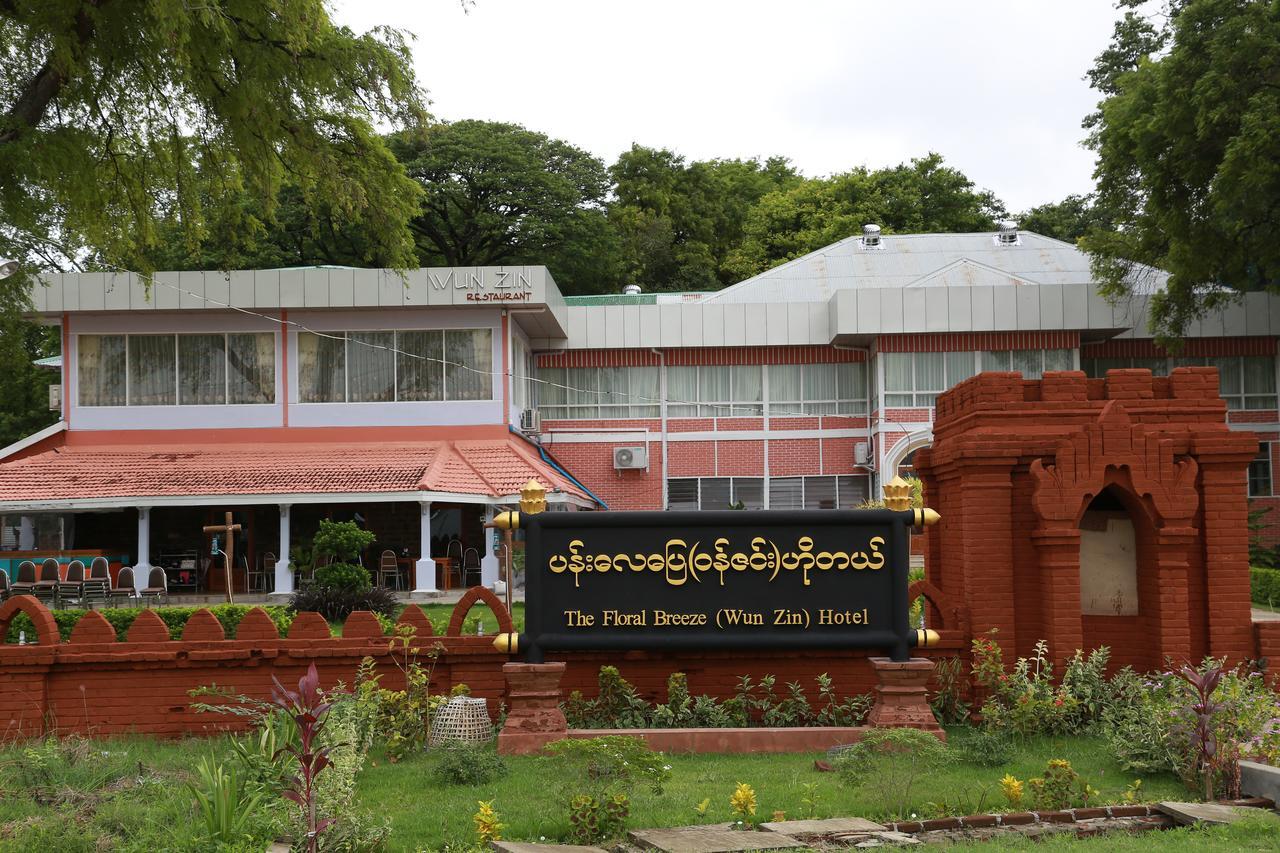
{"x":228,"y":553}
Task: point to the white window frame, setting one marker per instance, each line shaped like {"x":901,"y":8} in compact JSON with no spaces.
{"x":1264,"y":455}
{"x":177,"y":369}
{"x":733,"y":489}
{"x":835,"y":483}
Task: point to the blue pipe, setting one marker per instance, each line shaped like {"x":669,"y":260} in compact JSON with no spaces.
{"x":558,"y":467}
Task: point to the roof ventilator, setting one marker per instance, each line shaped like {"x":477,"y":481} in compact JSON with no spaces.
{"x":871,"y":236}
{"x":1008,"y":233}
{"x":631,"y":290}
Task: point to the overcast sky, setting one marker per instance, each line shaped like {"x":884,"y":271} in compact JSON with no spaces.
{"x":996,"y":88}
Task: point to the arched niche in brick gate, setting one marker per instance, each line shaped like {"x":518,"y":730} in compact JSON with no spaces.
{"x":1117,"y":459}
{"x":46,"y":626}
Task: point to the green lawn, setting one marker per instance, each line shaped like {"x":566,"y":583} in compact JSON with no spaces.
{"x":128,"y":795}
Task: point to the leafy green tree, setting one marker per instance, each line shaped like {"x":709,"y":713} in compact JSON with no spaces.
{"x":496,"y":193}
{"x":920,"y":196}
{"x":1067,"y":220}
{"x":1188,"y":143}
{"x":23,"y":386}
{"x":679,"y":222}
{"x":122,"y":118}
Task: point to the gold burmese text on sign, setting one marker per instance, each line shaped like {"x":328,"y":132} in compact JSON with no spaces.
{"x":680,"y":561}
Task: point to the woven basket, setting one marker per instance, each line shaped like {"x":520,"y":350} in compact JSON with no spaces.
{"x":463,"y":718}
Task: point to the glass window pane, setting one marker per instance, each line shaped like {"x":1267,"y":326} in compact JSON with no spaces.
{"x":715,"y":493}
{"x":1259,"y":375}
{"x":371,"y":367}
{"x":786,"y":385}
{"x":550,"y":386}
{"x":898,"y":372}
{"x":786,"y":493}
{"x":682,"y":494}
{"x":820,"y":382}
{"x":749,"y":491}
{"x":613,"y":387}
{"x":851,"y":381}
{"x":995,"y":360}
{"x":959,"y":367}
{"x":682,"y":392}
{"x":1229,"y":375}
{"x":929,"y":371}
{"x":1028,"y":362}
{"x":468,"y":370}
{"x":322,"y":368}
{"x":420,"y":366}
{"x":714,"y":386}
{"x":583,"y":392}
{"x":898,"y":400}
{"x":1260,"y":472}
{"x":202,"y":370}
{"x":1157,"y":366}
{"x":101,"y":370}
{"x":748,"y":388}
{"x":645,"y":391}
{"x":819,"y":492}
{"x":852,"y":490}
{"x":251,"y":368}
{"x":152,"y":370}
{"x":1059,"y":359}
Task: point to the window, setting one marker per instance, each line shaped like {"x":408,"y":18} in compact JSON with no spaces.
{"x":385,"y":367}
{"x":1031,"y":363}
{"x":598,"y":392}
{"x":1096,"y":368}
{"x":709,"y":493}
{"x":715,"y":392}
{"x":1245,"y":382}
{"x":843,"y":492}
{"x":1260,"y":472}
{"x":184,"y":370}
{"x":916,"y":379}
{"x":818,"y":389}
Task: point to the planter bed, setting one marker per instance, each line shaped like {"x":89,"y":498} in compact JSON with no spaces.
{"x":740,"y":741}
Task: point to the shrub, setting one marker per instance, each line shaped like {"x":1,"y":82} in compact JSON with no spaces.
{"x":1264,"y":586}
{"x":989,"y":746}
{"x":227,"y":810}
{"x":947,"y":705}
{"x":599,"y":775}
{"x":336,"y":604}
{"x":343,"y":576}
{"x":175,"y":618}
{"x":1061,"y":787}
{"x":468,"y":764}
{"x":598,"y":818}
{"x":886,"y":764}
{"x":488,"y":827}
{"x":342,"y":541}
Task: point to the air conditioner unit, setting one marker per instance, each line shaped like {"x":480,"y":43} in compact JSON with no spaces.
{"x":530,"y":421}
{"x":630,"y":458}
{"x":55,"y":398}
{"x":861,"y":453}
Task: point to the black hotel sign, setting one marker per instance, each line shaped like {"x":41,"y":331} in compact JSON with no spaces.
{"x":820,"y":579}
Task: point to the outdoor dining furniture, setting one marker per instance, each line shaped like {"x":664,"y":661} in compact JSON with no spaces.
{"x":470,"y":564}
{"x":98,"y":583}
{"x":389,"y":569}
{"x":46,"y":588}
{"x":257,"y":581}
{"x":71,"y":588}
{"x":124,"y":591}
{"x":157,"y":588}
{"x":26,"y":580}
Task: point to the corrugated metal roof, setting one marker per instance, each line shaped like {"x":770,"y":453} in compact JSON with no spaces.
{"x":921,"y":260}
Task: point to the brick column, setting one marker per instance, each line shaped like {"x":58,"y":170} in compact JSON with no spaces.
{"x":1171,"y":623}
{"x":1226,"y":543}
{"x":1059,"y":551}
{"x":534,"y":718}
{"x":985,"y":539}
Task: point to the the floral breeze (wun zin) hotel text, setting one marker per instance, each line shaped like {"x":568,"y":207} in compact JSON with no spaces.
{"x":420,"y":403}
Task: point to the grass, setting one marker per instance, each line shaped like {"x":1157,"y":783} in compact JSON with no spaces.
{"x":129,"y":794}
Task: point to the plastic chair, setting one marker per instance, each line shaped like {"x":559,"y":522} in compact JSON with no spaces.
{"x":157,"y":588}
{"x":26,"y":579}
{"x":46,"y":588}
{"x":71,"y":588}
{"x":98,"y":583}
{"x":388,"y":570}
{"x":470,"y":563}
{"x":124,"y":591}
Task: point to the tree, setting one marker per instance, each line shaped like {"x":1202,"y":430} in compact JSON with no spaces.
{"x":125,"y":123}
{"x":23,"y":386}
{"x":1188,"y":143}
{"x":920,"y":196}
{"x":680,"y":223}
{"x":496,"y":193}
{"x":1067,"y":220}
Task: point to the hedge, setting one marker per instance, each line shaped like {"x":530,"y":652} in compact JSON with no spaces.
{"x":175,"y":617}
{"x":1264,"y":586}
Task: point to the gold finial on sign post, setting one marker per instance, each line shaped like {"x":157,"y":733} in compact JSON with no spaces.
{"x":533,"y":497}
{"x":897,"y":494}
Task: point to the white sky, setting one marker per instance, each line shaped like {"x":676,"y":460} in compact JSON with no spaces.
{"x":995,"y":87}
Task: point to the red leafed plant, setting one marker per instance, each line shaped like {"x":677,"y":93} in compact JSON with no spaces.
{"x":308,"y":707}
{"x":1204,"y":741}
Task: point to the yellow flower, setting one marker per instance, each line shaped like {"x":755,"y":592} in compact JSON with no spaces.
{"x":1012,"y":789}
{"x":486,"y":821}
{"x":743,"y":800}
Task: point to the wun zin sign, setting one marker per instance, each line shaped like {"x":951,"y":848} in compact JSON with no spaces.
{"x":484,"y":284}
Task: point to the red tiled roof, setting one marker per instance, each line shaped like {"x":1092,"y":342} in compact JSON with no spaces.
{"x":489,"y":468}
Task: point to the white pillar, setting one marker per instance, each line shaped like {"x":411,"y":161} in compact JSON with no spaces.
{"x":26,"y":533}
{"x":425,"y":568}
{"x":284,"y":572}
{"x":490,"y":567}
{"x":142,"y":568}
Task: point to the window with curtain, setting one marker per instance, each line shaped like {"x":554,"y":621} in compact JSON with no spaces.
{"x":468,"y":370}
{"x":420,"y":366}
{"x":817,"y":389}
{"x":251,"y":368}
{"x":1031,"y":363}
{"x":202,"y":370}
{"x":915,"y":379}
{"x":153,"y":369}
{"x":101,"y":369}
{"x":598,"y":392}
{"x":404,"y":366}
{"x":1244,"y":382}
{"x":371,"y":367}
{"x":322,"y":368}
